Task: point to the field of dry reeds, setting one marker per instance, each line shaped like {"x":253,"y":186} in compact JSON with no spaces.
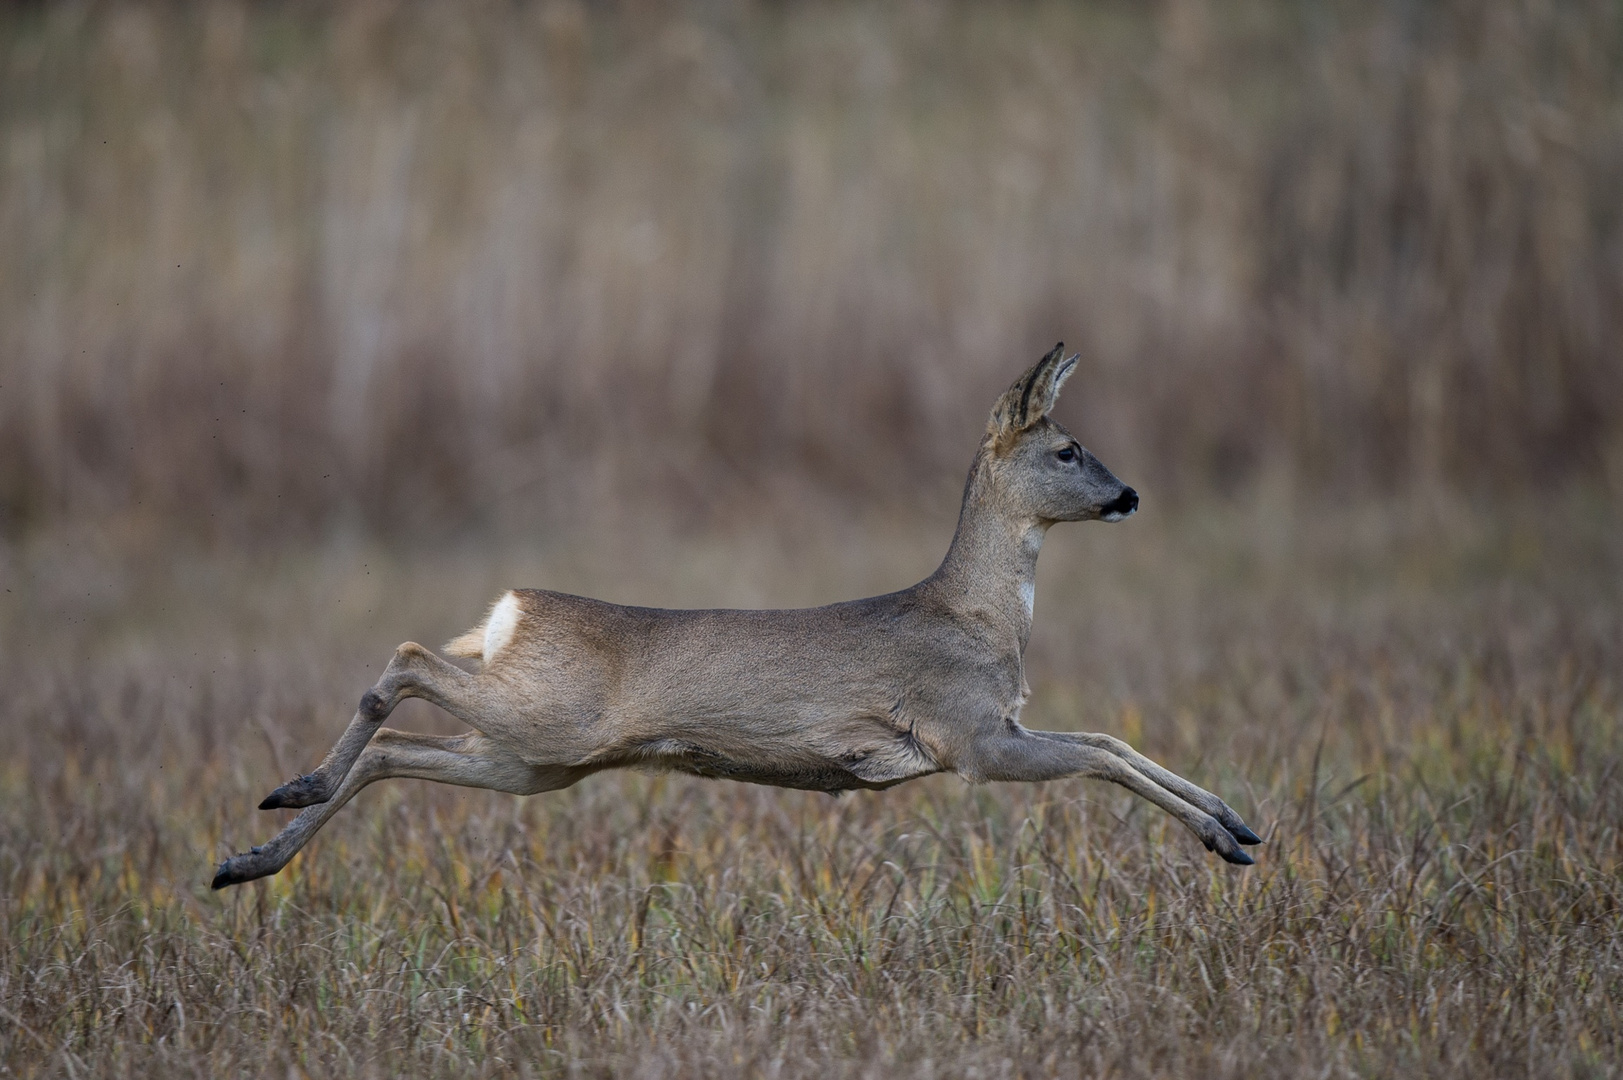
{"x":321,"y":324}
{"x":272,"y":268}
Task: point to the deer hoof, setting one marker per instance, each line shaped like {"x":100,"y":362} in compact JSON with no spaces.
{"x":231,"y":872}
{"x":302,"y":791}
{"x":1243,"y":834}
{"x":240,"y":868}
{"x":1223,"y":842}
{"x":1238,"y":829}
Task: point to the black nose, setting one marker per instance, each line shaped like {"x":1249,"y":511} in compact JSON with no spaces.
{"x":1122,"y":504}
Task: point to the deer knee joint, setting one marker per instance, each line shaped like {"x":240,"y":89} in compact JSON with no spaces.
{"x":410,"y":662}
{"x":374,"y":706}
{"x":411,"y":667}
{"x":1114,"y":745}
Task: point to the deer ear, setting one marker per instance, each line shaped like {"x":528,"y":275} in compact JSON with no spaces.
{"x":1030,"y":398}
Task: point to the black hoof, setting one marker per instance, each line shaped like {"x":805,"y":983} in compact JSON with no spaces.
{"x":225,"y":875}
{"x":1244,"y":835}
{"x":240,"y":868}
{"x":296,"y":794}
{"x":1233,"y":855}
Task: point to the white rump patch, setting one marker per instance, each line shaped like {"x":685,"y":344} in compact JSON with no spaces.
{"x":500,"y":626}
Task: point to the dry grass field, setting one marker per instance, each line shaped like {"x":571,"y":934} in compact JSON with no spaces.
{"x":1419,"y":706}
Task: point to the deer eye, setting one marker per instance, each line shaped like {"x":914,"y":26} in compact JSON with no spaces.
{"x":1066,"y":453}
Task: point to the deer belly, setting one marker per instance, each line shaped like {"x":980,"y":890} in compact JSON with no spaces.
{"x":847,"y":769}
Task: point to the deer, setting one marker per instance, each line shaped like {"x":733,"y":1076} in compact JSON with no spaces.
{"x":864,"y":694}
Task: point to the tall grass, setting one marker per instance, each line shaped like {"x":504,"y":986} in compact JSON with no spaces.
{"x":274,"y":266}
{"x":1423,"y":721}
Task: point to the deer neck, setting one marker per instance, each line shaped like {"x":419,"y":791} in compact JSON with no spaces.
{"x":990,"y":572}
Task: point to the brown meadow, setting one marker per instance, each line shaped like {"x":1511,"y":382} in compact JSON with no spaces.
{"x":1420,"y":714}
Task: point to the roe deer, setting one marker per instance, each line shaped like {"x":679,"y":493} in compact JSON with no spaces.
{"x":864,"y":694}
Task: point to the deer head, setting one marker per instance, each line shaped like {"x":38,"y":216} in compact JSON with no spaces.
{"x":1039,"y":470}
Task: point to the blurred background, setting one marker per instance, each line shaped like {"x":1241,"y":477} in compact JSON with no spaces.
{"x":272,"y":270}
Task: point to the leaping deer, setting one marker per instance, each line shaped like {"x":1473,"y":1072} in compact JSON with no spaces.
{"x":864,"y":694}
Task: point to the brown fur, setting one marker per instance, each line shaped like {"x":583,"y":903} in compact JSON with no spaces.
{"x":862,"y":694}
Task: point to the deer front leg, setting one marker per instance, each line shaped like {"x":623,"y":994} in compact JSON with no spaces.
{"x":414,"y":672}
{"x":467,"y":760}
{"x":1188,"y":792}
{"x":1018,"y":754}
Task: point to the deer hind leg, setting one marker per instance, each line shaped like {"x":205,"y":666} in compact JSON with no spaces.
{"x":1019,"y":754}
{"x":467,"y":760}
{"x":1171,"y":781}
{"x":413,"y":672}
